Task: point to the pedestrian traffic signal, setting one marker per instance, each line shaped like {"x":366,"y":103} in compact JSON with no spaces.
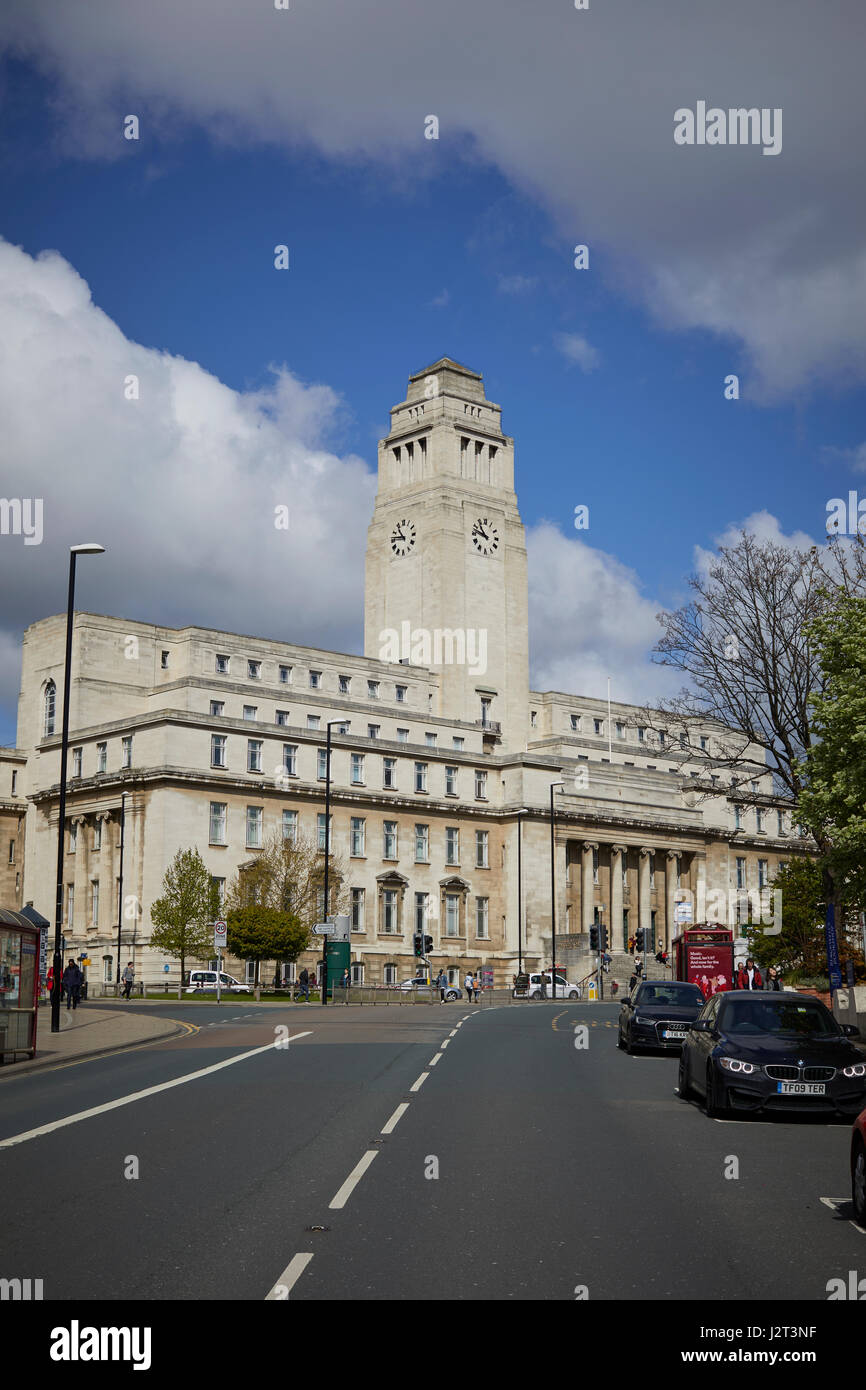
{"x":603,"y":937}
{"x":417,"y":944}
{"x":593,"y":937}
{"x":428,"y":945}
{"x":641,"y":934}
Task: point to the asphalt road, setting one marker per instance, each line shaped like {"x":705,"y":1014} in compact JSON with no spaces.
{"x":524,"y":1167}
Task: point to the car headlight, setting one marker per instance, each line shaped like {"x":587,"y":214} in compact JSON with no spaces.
{"x":641,"y":1018}
{"x":734,"y":1064}
{"x":857,"y":1069}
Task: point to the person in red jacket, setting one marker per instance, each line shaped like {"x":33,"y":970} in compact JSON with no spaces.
{"x":749,"y":976}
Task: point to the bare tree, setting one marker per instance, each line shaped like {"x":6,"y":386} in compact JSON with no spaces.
{"x":287,"y":875}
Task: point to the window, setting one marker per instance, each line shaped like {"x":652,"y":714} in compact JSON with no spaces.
{"x":373,"y":730}
{"x":94,"y":902}
{"x":101,"y":762}
{"x":321,"y":820}
{"x":482,"y":914}
{"x":372,"y":690}
{"x":345,"y":684}
{"x":15,"y":774}
{"x":50,"y":709}
{"x":595,"y":867}
{"x":389,"y":911}
{"x":11,"y":851}
{"x":218,"y":750}
{"x":620,"y":729}
{"x":780,"y":822}
{"x":738,"y":819}
{"x":452,"y":844}
{"x":163,"y":661}
{"x":282,"y":716}
{"x":254,"y":670}
{"x":401,"y":694}
{"x":759,"y":817}
{"x":357,"y":973}
{"x":741,"y":873}
{"x":254,"y":755}
{"x":222,"y":665}
{"x":322,"y":764}
{"x":457,"y":743}
{"x":315,"y":680}
{"x":661,"y":738}
{"x":254,"y":827}
{"x":358,"y":837}
{"x":251,"y":711}
{"x":575,"y":723}
{"x":290,"y":755}
{"x":480,"y":785}
{"x":285,"y":675}
{"x":76,"y":762}
{"x":703,"y":741}
{"x":389,"y":839}
{"x":762,"y":873}
{"x":357,"y":769}
{"x":485,"y":710}
{"x":70,"y":903}
{"x":421,"y":912}
{"x":420,"y":777}
{"x":290,"y":827}
{"x":389,"y":772}
{"x":313,"y":721}
{"x":452,"y":914}
{"x":533,"y":719}
{"x":641,"y":735}
{"x":481,"y":849}
{"x":217,"y":707}
{"x":422,"y":844}
{"x":430,"y":740}
{"x":220,"y":885}
{"x":402,"y":735}
{"x":126,"y":751}
{"x":358,"y":909}
{"x":390,"y":976}
{"x":451,"y":781}
{"x":217,"y":835}
{"x":598,"y":726}
{"x":97,"y":836}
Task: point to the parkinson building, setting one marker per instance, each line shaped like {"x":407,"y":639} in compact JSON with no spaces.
{"x":440,"y":783}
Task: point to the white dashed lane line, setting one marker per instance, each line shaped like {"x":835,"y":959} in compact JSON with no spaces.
{"x":446,"y":1043}
{"x":434,"y":1060}
{"x":395,"y":1118}
{"x":353,"y":1179}
{"x":289,"y":1277}
{"x":416,"y":1086}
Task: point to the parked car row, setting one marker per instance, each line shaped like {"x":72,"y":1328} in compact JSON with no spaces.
{"x":742,"y":1051}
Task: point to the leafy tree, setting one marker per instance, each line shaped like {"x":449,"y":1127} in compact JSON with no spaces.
{"x":182,"y":916}
{"x":800,"y":945}
{"x":262,"y":933}
{"x":287,"y":875}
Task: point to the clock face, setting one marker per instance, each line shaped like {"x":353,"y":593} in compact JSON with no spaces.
{"x":485,"y":536}
{"x":403,"y":537}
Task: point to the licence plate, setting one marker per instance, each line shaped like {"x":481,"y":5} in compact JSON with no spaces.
{"x":801,"y":1088}
{"x":674,"y":1032}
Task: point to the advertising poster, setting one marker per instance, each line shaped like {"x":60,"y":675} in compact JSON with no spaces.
{"x":710,"y":967}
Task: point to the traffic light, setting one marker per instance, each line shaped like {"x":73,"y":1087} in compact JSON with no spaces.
{"x":603,"y":937}
{"x":641,"y":934}
{"x":417,"y":944}
{"x":428,"y":945}
{"x":593,"y":937}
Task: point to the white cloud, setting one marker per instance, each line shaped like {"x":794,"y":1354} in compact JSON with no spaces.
{"x":577,"y":350}
{"x":588,"y":620}
{"x":516,"y":284}
{"x":855,"y":458}
{"x":768,"y":253}
{"x":180,"y":486}
{"x":440,"y":300}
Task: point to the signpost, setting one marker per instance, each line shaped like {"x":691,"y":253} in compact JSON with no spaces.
{"x":325,"y":929}
{"x":219,"y":943}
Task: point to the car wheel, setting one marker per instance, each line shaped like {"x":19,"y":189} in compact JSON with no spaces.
{"x":685,"y":1089}
{"x":713,"y":1108}
{"x":451,"y":994}
{"x":574,"y":994}
{"x":858,"y":1181}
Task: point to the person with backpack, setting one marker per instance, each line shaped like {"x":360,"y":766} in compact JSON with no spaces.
{"x":72,"y":978}
{"x":469,"y":985}
{"x":304,"y":982}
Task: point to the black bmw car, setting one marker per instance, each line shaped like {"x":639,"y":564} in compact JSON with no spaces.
{"x":658,"y":1014}
{"x":754,"y":1051}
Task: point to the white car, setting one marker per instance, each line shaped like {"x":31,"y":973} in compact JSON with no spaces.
{"x":207,"y":980}
{"x":564,"y":990}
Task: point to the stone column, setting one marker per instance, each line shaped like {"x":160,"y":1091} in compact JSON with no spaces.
{"x":587,"y":891}
{"x":644,"y":908}
{"x":616,"y":853}
{"x":671,"y":871}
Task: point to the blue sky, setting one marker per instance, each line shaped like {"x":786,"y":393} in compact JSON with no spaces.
{"x":401,"y":253}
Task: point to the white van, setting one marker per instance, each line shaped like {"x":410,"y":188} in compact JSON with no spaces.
{"x":207,"y":979}
{"x":564,"y":990}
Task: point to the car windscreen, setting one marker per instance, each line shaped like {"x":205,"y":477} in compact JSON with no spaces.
{"x":794,"y":1018}
{"x":667,"y":994}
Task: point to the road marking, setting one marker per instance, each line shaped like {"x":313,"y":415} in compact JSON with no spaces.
{"x":834,"y":1203}
{"x":553,"y":1021}
{"x":289,"y":1277}
{"x":395,"y":1118}
{"x":453,"y":1033}
{"x":446,"y":1043}
{"x":420,"y":1082}
{"x":434,"y":1060}
{"x":139,"y":1095}
{"x":353,"y":1179}
{"x":459,"y":1025}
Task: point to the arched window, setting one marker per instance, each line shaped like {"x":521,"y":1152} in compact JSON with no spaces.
{"x":50,"y":708}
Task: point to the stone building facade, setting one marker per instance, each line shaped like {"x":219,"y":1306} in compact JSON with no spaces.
{"x":440,"y":781}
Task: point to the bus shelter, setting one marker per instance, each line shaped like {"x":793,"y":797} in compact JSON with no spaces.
{"x":19,"y":984}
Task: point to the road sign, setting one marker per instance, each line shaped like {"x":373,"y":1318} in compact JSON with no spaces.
{"x":325,"y":929}
{"x":219,"y":935}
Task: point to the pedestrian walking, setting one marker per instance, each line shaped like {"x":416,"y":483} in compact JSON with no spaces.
{"x":72,"y":984}
{"x":128,"y":978}
{"x":543,"y":985}
{"x":346,"y":980}
{"x":638,"y":967}
{"x":606,"y":962}
{"x":304,"y":982}
{"x":477,"y":987}
{"x":442,"y":984}
{"x":773,"y":980}
{"x":749,"y":976}
{"x":469,"y":985}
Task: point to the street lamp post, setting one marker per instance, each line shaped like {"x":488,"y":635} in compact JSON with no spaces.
{"x":344,"y":724}
{"x":120,"y":880}
{"x":90,"y":548}
{"x":522,"y":812}
{"x":553,"y":787}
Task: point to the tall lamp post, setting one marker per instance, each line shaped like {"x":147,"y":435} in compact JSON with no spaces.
{"x":344,"y":725}
{"x":90,"y":548}
{"x":553,"y":787}
{"x":524,"y":810}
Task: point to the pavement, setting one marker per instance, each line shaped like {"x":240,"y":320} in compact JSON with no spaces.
{"x":91,"y":1030}
{"x":508,"y":1153}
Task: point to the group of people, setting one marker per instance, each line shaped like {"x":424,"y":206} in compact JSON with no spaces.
{"x":72,"y":981}
{"x":470,"y":983}
{"x":748,"y":976}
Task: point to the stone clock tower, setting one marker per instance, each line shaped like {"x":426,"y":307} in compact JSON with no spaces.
{"x":446,"y":551}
